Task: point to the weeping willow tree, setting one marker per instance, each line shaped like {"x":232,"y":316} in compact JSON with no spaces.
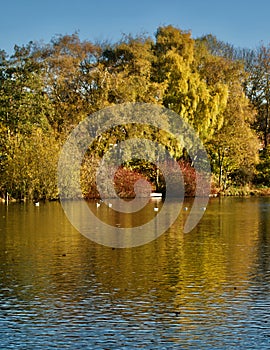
{"x":200,"y":103}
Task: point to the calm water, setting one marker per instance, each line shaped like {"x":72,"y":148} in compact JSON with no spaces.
{"x":208,"y":289}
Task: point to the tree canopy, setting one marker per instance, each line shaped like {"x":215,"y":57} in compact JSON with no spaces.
{"x":47,"y":89}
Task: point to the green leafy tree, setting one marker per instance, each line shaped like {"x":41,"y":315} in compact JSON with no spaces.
{"x":262,"y":177}
{"x":187,"y":93}
{"x":26,"y":134}
{"x":29,"y":165}
{"x":23,"y":101}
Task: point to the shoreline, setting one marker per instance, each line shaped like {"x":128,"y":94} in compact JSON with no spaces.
{"x":230,"y":192}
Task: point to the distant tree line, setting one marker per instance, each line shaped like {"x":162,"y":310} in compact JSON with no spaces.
{"x":223,"y":92}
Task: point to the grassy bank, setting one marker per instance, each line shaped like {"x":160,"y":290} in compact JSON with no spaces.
{"x":245,"y":191}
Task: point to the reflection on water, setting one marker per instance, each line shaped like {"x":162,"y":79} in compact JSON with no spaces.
{"x":208,"y":289}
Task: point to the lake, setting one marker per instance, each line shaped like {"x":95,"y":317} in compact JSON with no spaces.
{"x":206,"y":289}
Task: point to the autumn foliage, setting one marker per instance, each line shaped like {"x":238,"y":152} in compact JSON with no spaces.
{"x":47,"y":89}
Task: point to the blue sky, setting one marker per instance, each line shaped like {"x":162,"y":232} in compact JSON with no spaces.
{"x":241,"y":23}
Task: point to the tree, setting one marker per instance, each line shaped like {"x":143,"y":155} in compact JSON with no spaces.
{"x":234,"y":148}
{"x":28,"y":147}
{"x":129,"y":65}
{"x":257,"y":86}
{"x":23,"y":101}
{"x":29,"y":165}
{"x":263,"y":168}
{"x":215,"y":47}
{"x":187,"y":92}
{"x":65,"y":60}
{"x":234,"y":145}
